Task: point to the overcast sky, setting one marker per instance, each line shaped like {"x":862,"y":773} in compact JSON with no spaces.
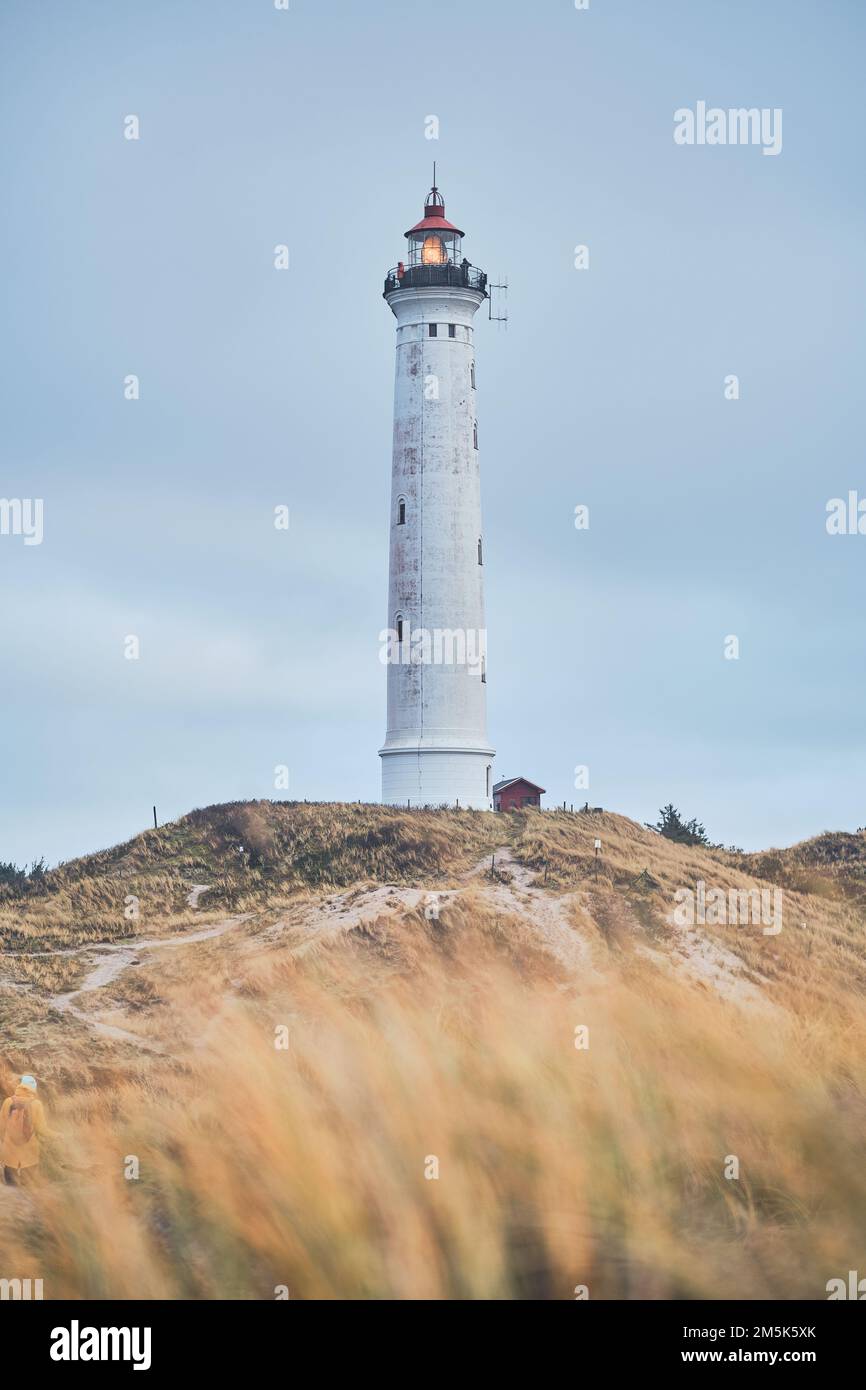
{"x":261,"y":387}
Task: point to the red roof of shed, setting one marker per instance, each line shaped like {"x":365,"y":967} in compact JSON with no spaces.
{"x":510,"y":782}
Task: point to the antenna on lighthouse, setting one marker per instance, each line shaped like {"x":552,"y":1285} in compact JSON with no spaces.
{"x":498,"y":301}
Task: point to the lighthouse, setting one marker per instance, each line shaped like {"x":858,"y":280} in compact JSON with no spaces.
{"x":436,"y":751}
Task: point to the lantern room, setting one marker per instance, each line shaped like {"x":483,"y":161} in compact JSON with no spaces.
{"x":435,"y":254}
{"x":434,"y":240}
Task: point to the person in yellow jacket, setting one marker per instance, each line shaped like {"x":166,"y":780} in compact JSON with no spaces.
{"x":22,"y":1125}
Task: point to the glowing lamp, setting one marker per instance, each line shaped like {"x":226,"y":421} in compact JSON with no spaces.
{"x":433,"y":252}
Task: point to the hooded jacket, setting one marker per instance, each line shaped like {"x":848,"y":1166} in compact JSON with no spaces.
{"x":25,"y":1155}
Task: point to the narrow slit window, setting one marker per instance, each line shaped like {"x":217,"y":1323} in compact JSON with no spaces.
{"x":475,"y":433}
{"x":401,"y":511}
{"x":488,"y":779}
{"x":432,"y":329}
{"x":480,"y":552}
{"x":398,"y":623}
{"x":472,"y":375}
{"x":484,"y":669}
{"x":452,"y":330}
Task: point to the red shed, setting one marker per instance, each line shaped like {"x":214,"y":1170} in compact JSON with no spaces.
{"x":514,"y":792}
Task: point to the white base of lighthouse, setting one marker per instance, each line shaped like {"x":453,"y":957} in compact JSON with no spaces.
{"x":438,"y":777}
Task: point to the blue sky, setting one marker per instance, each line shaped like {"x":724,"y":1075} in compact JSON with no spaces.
{"x":258,"y":387}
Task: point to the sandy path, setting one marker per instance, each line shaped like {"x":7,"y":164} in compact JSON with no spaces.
{"x":310,"y":922}
{"x":314,"y":922}
{"x":110,"y":960}
{"x":547,"y":914}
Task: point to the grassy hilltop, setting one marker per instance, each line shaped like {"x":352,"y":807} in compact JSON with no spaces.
{"x":351,"y":1067}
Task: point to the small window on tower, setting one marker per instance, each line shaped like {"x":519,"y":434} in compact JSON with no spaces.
{"x":431,"y":329}
{"x":480,"y":560}
{"x":484,"y":669}
{"x":452,"y":330}
{"x":475,"y":433}
{"x":488,"y":779}
{"x":401,"y":511}
{"x":472,"y":375}
{"x":398,"y":623}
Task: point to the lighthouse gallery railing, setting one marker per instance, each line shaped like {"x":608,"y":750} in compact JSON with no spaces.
{"x":430,"y":276}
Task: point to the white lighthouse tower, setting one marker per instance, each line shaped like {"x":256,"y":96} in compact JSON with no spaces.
{"x":436,"y":749}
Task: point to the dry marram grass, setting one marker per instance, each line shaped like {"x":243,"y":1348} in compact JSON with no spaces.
{"x":435,"y":1019}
